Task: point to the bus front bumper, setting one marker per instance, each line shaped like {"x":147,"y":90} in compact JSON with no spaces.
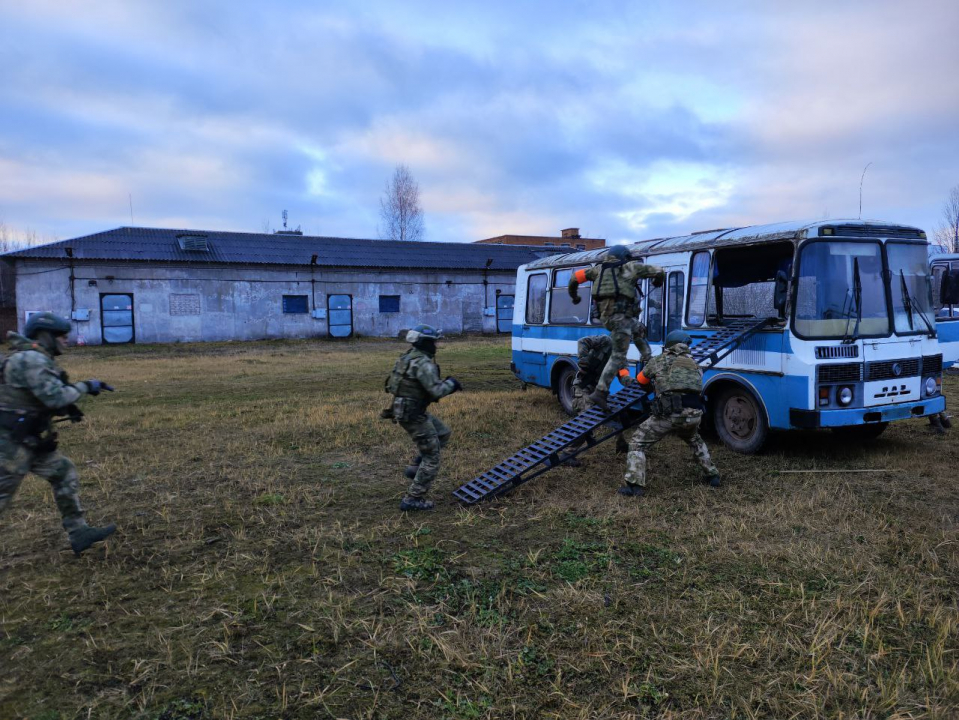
{"x":865,"y":416}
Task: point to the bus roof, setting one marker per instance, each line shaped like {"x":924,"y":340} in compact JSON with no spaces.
{"x":728,"y":237}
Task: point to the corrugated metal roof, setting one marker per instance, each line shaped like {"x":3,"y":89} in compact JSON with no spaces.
{"x":715,"y":239}
{"x":164,"y":245}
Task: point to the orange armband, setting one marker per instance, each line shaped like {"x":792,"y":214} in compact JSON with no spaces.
{"x":580,"y":275}
{"x":642,"y":379}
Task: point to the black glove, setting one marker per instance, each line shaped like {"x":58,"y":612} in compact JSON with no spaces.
{"x":95,"y":386}
{"x":658,"y":280}
{"x":456,"y":383}
{"x":576,"y":299}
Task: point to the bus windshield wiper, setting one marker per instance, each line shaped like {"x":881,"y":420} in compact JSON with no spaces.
{"x":856,"y":299}
{"x":909,"y":305}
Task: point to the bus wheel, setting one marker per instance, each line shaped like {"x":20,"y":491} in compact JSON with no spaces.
{"x":739,"y":421}
{"x":862,"y":433}
{"x":564,"y":388}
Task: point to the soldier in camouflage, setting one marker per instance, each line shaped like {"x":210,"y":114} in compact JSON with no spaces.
{"x":592,"y":354}
{"x":677,"y":409}
{"x":32,"y":391}
{"x":617,"y":300}
{"x":414,"y":384}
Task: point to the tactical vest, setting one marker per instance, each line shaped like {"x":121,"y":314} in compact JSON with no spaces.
{"x":611,"y":285}
{"x":401,"y":384}
{"x":682,"y":375}
{"x":14,"y":398}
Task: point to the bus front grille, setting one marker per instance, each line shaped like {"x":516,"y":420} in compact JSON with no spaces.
{"x":832,"y":352}
{"x":892,"y":369}
{"x":932,"y":364}
{"x":840,"y":373}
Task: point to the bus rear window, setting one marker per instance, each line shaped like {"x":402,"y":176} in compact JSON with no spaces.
{"x":536,"y":299}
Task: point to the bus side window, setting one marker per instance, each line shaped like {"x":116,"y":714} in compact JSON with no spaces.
{"x":937,"y":272}
{"x":536,"y":299}
{"x":698,"y":284}
{"x":654,"y":313}
{"x":562,"y":311}
{"x":675,"y":286}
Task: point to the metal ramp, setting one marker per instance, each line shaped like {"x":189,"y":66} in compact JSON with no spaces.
{"x":627,"y":408}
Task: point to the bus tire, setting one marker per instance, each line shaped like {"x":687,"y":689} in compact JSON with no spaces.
{"x":564,"y":388}
{"x":861,"y":433}
{"x":739,"y":420}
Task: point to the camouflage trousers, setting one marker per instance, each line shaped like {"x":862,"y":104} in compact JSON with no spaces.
{"x":430,"y":435}
{"x":685,"y":424}
{"x":623,"y":330}
{"x":17,"y":460}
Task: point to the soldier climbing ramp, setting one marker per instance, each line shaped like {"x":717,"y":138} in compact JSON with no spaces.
{"x":627,"y":408}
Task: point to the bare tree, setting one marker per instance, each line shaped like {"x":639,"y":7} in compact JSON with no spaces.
{"x":947,"y":234}
{"x":400,"y":211}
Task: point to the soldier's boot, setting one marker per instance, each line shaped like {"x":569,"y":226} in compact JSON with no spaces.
{"x":82,"y":538}
{"x":936,"y":425}
{"x":413,"y":467}
{"x":411,"y":503}
{"x":599,"y":398}
{"x":713,"y":480}
{"x":631,"y":490}
{"x":945,"y":420}
{"x":622,"y":447}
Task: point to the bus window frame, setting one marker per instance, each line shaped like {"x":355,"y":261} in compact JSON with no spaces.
{"x":552,"y":287}
{"x":529,"y":280}
{"x":946,"y":265}
{"x":668,"y":305}
{"x":689,"y":288}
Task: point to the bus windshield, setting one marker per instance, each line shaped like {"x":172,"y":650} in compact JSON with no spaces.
{"x":911,"y":289}
{"x":841,"y":293}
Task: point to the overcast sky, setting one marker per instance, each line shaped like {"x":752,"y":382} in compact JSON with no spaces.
{"x":628,"y":120}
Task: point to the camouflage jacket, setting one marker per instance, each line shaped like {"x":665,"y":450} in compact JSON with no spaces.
{"x":673,"y":371}
{"x":33,"y":382}
{"x":612,"y":281}
{"x":593,"y":352}
{"x":416,"y":375}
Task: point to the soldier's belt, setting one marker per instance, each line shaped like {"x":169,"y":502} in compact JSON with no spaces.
{"x":676,"y":402}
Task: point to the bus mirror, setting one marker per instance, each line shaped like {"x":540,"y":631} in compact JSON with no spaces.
{"x":781,"y":292}
{"x":949,"y":288}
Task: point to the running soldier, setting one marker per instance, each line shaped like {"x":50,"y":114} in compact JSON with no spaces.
{"x":677,"y":408}
{"x":414,"y":384}
{"x":617,"y":300}
{"x":32,"y":390}
{"x":592,"y":354}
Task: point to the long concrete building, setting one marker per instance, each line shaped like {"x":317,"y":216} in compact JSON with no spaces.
{"x":158,"y":285}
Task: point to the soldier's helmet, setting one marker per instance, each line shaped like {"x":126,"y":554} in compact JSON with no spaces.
{"x":423,"y":332}
{"x":53,"y":324}
{"x":676,"y":337}
{"x":617,"y":252}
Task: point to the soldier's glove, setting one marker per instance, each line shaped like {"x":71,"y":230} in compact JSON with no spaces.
{"x":658,"y":280}
{"x":456,"y":384}
{"x":95,"y":386}
{"x":576,"y":299}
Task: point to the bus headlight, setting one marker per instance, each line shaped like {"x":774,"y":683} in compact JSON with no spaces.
{"x":844,"y":395}
{"x":931,"y":386}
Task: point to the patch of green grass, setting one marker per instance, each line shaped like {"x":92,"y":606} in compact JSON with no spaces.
{"x":576,"y":560}
{"x":422,"y":563}
{"x":272,"y":498}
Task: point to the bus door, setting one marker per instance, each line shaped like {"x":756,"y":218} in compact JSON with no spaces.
{"x":947,"y":315}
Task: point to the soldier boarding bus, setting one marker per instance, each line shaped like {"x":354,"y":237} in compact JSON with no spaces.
{"x":852,"y":346}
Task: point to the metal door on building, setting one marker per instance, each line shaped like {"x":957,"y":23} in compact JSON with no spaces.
{"x":116,"y":313}
{"x":339,"y":315}
{"x":504,"y":313}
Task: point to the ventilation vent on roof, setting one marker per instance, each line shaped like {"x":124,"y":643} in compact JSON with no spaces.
{"x":197,"y":243}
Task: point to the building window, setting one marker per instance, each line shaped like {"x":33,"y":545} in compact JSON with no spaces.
{"x":389,"y":303}
{"x":536,"y":299}
{"x":296,"y":304}
{"x":116,"y":311}
{"x":339,"y":315}
{"x":184,"y":304}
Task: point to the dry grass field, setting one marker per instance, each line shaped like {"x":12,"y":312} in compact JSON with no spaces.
{"x":263,"y":570}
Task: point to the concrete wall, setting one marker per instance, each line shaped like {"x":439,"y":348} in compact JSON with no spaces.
{"x":195,"y":303}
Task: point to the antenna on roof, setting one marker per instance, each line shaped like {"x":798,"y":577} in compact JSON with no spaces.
{"x":284,"y":219}
{"x":860,"y":187}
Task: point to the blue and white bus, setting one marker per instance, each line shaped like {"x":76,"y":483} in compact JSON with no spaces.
{"x":854,"y":349}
